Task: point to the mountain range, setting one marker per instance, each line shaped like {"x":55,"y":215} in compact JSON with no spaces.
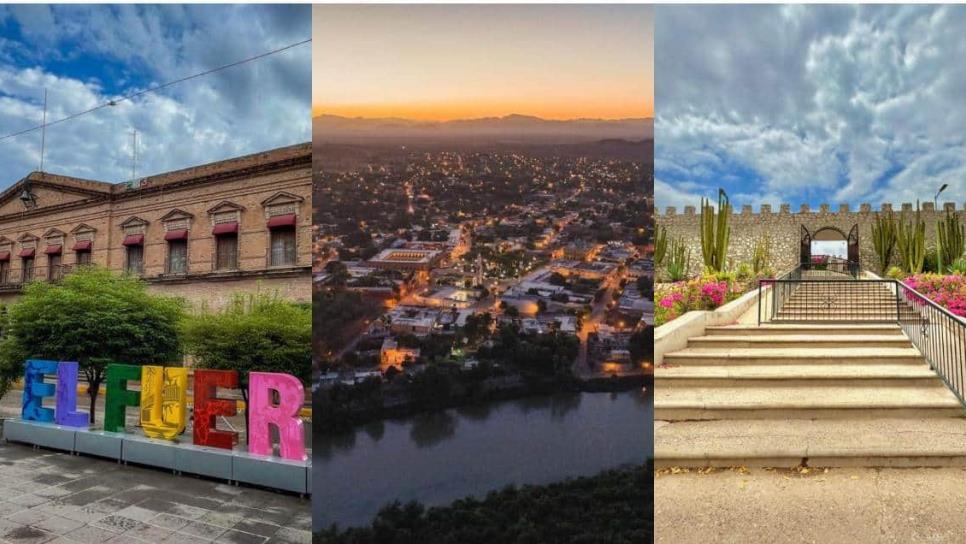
{"x":508,"y":129}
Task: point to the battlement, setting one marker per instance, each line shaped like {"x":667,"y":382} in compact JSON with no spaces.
{"x":824,"y":209}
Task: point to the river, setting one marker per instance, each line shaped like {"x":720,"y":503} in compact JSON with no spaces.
{"x":438,"y":458}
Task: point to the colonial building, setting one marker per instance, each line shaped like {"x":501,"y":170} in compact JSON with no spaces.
{"x":203,"y":232}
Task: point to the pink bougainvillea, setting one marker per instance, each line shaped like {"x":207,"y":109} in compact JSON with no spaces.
{"x":684,"y":296}
{"x":946,"y":291}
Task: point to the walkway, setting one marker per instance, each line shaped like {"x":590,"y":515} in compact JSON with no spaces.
{"x":47,"y":496}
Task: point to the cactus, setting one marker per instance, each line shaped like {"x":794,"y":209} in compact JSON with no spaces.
{"x":679,"y":260}
{"x":660,"y":246}
{"x":715,"y":232}
{"x":911,"y":241}
{"x":949,"y":241}
{"x":761,"y":255}
{"x":884,"y":239}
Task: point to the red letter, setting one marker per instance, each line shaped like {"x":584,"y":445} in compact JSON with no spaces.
{"x":208,"y":406}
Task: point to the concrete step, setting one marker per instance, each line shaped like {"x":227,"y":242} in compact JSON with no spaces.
{"x":778,"y":376}
{"x":793,"y":356}
{"x":820,"y":443}
{"x":800,"y":340}
{"x":844,"y":306}
{"x":821,"y":402}
{"x":815,"y":318}
{"x":824,"y":330}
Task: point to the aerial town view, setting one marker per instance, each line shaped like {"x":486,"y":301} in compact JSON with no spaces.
{"x":482,"y":276}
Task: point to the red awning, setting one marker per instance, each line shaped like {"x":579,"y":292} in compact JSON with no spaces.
{"x":287,"y":220}
{"x":176,"y":235}
{"x":5,"y":256}
{"x":27,"y":252}
{"x":225,"y":228}
{"x":134,"y":240}
{"x":53,"y":250}
{"x":82,"y":245}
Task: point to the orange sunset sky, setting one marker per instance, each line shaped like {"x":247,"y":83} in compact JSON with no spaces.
{"x":442,"y":62}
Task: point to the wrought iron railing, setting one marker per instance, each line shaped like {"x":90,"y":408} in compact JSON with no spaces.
{"x":940,"y":335}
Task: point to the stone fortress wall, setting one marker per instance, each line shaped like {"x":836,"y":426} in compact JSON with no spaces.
{"x":784,"y":230}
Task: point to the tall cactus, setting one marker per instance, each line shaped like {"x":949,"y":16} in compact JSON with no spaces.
{"x":761,"y":255}
{"x":949,"y":241}
{"x":884,"y":239}
{"x":679,"y":260}
{"x":660,"y":246}
{"x":715,"y":232}
{"x":911,"y":241}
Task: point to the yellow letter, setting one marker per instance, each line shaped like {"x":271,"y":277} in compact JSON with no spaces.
{"x":163,"y":395}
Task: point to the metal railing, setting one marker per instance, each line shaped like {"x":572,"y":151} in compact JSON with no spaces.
{"x":938,"y":334}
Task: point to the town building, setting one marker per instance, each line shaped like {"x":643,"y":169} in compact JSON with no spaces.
{"x":204,"y":233}
{"x":406,"y":259}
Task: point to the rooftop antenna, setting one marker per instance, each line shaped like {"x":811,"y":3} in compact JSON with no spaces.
{"x":134,"y":157}
{"x":43,"y":133}
{"x":27,"y":198}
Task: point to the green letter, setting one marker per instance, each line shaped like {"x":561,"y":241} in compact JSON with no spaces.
{"x":118,"y":396}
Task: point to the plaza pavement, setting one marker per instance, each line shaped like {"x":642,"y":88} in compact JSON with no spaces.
{"x":48,"y":496}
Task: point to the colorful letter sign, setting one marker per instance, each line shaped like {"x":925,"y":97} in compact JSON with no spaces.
{"x":208,"y":407}
{"x":273,"y":400}
{"x":164,"y":394}
{"x":66,"y":413}
{"x":262,"y":412}
{"x":118,"y":396}
{"x":34,"y":390}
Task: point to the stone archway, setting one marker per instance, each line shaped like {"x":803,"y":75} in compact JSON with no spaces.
{"x":830,"y":248}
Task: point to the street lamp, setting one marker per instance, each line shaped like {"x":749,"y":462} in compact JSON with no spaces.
{"x":935,"y":199}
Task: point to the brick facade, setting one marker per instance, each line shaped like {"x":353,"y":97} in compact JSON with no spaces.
{"x":251,"y":192}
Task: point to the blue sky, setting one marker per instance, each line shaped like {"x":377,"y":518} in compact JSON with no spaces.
{"x":810,"y":104}
{"x":89,"y":54}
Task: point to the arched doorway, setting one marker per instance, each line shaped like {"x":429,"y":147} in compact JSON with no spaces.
{"x":828,"y":248}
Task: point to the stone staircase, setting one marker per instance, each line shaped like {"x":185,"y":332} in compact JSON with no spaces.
{"x":784,"y":395}
{"x":841,"y":301}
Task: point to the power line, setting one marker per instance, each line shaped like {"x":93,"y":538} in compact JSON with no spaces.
{"x":156,"y":88}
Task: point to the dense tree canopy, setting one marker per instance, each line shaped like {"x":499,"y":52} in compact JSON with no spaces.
{"x":93,"y":317}
{"x":260,"y":332}
{"x":613,"y":508}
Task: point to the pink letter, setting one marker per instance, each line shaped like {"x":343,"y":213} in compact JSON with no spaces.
{"x":262,"y":412}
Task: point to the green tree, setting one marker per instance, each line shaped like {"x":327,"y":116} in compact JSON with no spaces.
{"x":253,"y":333}
{"x":93,"y":317}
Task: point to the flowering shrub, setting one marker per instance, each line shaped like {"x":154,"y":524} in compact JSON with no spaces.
{"x":699,"y":294}
{"x":946,"y":291}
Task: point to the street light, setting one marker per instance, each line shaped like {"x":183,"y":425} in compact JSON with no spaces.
{"x":935,"y":199}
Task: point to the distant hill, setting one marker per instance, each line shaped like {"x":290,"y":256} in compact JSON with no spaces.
{"x":511,"y":129}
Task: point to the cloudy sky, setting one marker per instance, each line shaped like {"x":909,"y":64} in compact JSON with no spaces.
{"x":88,"y":55}
{"x":810,"y":104}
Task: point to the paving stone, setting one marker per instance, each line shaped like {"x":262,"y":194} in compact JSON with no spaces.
{"x":136,"y":512}
{"x":48,"y":497}
{"x":203,"y":530}
{"x":149,"y":533}
{"x":119,"y":524}
{"x":291,"y":536}
{"x":27,"y":535}
{"x":169,"y":521}
{"x":256,"y":527}
{"x":239,"y":537}
{"x":90,"y":535}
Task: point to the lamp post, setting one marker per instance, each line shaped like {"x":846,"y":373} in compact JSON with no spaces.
{"x":935,"y":199}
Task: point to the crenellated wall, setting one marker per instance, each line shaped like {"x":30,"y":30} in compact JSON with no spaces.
{"x":784,"y":229}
